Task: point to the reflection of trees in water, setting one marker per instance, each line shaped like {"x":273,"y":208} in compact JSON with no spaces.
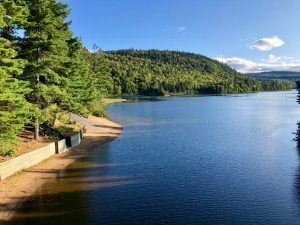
{"x":297,"y":139}
{"x":297,"y":135}
{"x":297,"y":174}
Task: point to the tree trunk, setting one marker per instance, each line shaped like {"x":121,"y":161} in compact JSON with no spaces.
{"x":37,"y":130}
{"x":37,"y":125}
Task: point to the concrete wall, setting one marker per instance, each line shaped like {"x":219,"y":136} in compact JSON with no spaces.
{"x":74,"y":140}
{"x":30,"y":159}
{"x":25,"y":161}
{"x":61,"y":146}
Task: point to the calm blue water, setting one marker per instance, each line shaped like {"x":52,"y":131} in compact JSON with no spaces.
{"x":185,"y":160}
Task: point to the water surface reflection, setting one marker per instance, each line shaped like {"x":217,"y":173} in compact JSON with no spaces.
{"x":193,"y":160}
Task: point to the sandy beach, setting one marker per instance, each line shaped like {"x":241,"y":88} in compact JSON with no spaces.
{"x":18,"y":188}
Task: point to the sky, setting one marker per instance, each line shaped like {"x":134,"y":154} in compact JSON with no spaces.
{"x":249,"y":35}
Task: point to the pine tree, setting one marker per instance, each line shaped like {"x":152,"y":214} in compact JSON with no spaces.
{"x":45,"y":47}
{"x":14,"y":109}
{"x":80,"y":87}
{"x":16,"y":12}
{"x":100,"y":72}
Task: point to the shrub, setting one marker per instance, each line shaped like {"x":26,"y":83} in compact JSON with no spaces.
{"x":98,"y":108}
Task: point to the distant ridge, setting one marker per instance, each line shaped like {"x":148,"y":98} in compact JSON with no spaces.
{"x":276,"y":75}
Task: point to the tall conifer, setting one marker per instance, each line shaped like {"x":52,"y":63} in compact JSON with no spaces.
{"x":100,"y":72}
{"x":46,"y":49}
{"x":80,"y":87}
{"x":14,"y":109}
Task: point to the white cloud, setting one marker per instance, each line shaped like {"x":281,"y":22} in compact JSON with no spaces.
{"x":241,"y":65}
{"x":267,"y":44}
{"x":247,"y":66}
{"x":180,"y":29}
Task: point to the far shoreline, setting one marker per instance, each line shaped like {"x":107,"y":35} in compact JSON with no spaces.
{"x":127,"y":98}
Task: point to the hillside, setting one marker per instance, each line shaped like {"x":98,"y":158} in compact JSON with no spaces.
{"x":155,"y":72}
{"x":276,"y":75}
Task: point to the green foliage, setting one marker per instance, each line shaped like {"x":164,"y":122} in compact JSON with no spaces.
{"x":45,"y":48}
{"x":57,"y":70}
{"x":99,"y":72}
{"x":80,"y":87}
{"x":67,"y":129}
{"x":274,"y":85}
{"x":101,"y":80}
{"x":14,"y":109}
{"x":98,"y":108}
{"x":154,"y":72}
{"x":16,"y":12}
{"x":56,"y":77}
{"x":285,"y":78}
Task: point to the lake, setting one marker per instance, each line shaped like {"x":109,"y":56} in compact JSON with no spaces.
{"x":184,"y":160}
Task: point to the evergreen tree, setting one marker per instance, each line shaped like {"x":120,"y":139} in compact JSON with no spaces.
{"x":16,"y":12}
{"x":45,"y":47}
{"x":14,"y":109}
{"x":99,"y":72}
{"x":80,"y":87}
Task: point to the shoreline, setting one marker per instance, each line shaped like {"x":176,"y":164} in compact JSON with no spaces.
{"x":128,"y":97}
{"x":16,"y":189}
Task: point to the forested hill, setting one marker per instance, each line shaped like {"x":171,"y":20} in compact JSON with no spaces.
{"x":155,"y":72}
{"x":276,"y":75}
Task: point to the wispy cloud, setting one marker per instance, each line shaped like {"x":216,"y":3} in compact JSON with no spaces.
{"x":272,"y":63}
{"x":267,"y":44}
{"x":278,"y":59}
{"x":181,"y":29}
{"x":272,"y":59}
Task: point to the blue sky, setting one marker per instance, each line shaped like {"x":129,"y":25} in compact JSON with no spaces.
{"x":256,"y":35}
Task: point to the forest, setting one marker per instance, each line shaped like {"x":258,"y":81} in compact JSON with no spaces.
{"x":155,"y":72}
{"x":44,"y":69}
{"x":291,"y":76}
{"x":47,"y":73}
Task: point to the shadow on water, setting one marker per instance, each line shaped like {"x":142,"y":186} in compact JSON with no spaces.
{"x":70,"y":205}
{"x":70,"y":196}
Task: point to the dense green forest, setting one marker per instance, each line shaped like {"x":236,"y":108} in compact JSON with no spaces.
{"x":46,"y":72}
{"x":44,"y":69}
{"x":154,"y":72}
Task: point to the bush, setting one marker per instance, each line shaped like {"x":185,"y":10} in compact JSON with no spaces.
{"x":67,"y":130}
{"x":98,"y":108}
